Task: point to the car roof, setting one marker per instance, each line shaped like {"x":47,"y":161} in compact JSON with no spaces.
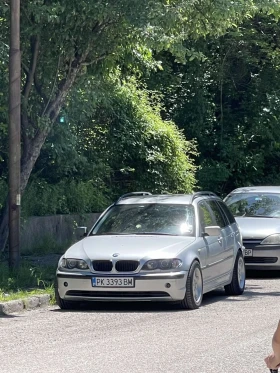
{"x":257,"y":189}
{"x":164,"y":198}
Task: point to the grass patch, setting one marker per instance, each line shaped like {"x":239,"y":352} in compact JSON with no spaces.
{"x":26,"y":281}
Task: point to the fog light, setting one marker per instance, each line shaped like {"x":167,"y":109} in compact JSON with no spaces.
{"x":65,"y":284}
{"x":167,"y":285}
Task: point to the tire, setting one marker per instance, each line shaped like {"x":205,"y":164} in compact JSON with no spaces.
{"x":194,"y":288}
{"x":64,"y":304}
{"x":237,"y":285}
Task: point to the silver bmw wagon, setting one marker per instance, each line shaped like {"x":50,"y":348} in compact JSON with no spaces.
{"x":148,"y":247}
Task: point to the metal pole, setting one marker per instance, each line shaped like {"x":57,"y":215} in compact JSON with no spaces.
{"x":14,"y":134}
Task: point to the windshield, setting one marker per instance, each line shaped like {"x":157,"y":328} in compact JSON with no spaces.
{"x":254,"y":204}
{"x":158,"y":219}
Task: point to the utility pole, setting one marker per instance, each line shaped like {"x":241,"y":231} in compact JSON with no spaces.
{"x":14,"y":134}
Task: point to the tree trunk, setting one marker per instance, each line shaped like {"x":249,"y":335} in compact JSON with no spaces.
{"x":26,"y":169}
{"x":33,"y":147}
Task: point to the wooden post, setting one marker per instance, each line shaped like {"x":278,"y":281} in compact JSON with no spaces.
{"x":14,"y":134}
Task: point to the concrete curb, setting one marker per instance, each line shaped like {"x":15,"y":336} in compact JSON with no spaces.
{"x":19,"y":305}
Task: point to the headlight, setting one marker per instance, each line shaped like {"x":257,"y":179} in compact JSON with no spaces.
{"x":162,"y":264}
{"x":274,"y":239}
{"x":151,"y":264}
{"x":81,"y":264}
{"x":73,"y":263}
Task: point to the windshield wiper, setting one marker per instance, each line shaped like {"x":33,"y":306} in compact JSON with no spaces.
{"x":134,"y":234}
{"x":153,"y":234}
{"x":260,"y":216}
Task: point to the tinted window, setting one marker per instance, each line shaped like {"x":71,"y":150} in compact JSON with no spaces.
{"x":254,"y":204}
{"x":148,"y":219}
{"x":205,"y":216}
{"x":220,"y":221}
{"x":227,"y":212}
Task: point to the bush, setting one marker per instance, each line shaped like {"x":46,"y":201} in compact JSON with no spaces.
{"x":144,"y":151}
{"x":41,"y":198}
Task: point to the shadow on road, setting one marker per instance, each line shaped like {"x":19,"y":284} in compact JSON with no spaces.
{"x":125,"y":307}
{"x":8,"y":316}
{"x":252,"y":291}
{"x":263,"y":275}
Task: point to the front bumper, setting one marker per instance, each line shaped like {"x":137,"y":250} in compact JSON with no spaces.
{"x":148,"y":287}
{"x":264,"y":257}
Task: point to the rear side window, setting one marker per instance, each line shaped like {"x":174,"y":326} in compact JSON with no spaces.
{"x":220,"y":221}
{"x":205,"y":217}
{"x":227,"y":212}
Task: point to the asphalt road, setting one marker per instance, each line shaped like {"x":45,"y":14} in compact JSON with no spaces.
{"x":227,"y":334}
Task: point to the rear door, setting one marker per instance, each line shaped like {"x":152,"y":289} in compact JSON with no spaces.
{"x":236,"y":240}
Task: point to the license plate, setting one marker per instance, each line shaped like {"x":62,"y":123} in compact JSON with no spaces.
{"x":248,"y":252}
{"x":113,"y":282}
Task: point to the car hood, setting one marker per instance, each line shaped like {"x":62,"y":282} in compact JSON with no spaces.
{"x":128,"y":247}
{"x":257,"y":228}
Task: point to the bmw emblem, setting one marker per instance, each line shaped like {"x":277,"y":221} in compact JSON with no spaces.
{"x":115,"y":255}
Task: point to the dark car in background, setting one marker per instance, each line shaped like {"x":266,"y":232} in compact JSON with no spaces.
{"x":257,"y":212}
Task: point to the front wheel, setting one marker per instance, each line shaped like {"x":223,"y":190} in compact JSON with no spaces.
{"x":194,"y":288}
{"x":237,"y":285}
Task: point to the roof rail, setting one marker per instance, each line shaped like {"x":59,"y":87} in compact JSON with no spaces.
{"x":134,"y":194}
{"x":203,"y":193}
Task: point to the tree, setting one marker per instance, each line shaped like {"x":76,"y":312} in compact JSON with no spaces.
{"x":64,"y":39}
{"x":227,"y":98}
{"x":120,"y":144}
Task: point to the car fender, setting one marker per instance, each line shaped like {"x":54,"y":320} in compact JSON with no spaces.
{"x":189,"y":257}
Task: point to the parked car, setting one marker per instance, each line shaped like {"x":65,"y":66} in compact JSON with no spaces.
{"x":148,"y":247}
{"x":257,"y":212}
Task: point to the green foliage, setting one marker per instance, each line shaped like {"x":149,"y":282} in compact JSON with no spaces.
{"x":26,"y":277}
{"x":42,"y":198}
{"x":229,"y":102}
{"x":114,"y":138}
{"x":142,"y":150}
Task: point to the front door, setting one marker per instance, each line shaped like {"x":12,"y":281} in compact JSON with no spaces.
{"x":228,"y":234}
{"x":214,"y":246}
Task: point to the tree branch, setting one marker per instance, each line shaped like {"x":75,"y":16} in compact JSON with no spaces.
{"x":34,"y":43}
{"x":95,"y":60}
{"x":39,"y":89}
{"x":53,"y":87}
{"x":54,"y":106}
{"x":30,"y":73}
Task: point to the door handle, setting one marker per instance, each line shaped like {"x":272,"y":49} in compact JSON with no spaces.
{"x":220,"y":240}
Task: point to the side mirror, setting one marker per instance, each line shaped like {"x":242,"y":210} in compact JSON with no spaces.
{"x":212,"y":231}
{"x":81,"y":231}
